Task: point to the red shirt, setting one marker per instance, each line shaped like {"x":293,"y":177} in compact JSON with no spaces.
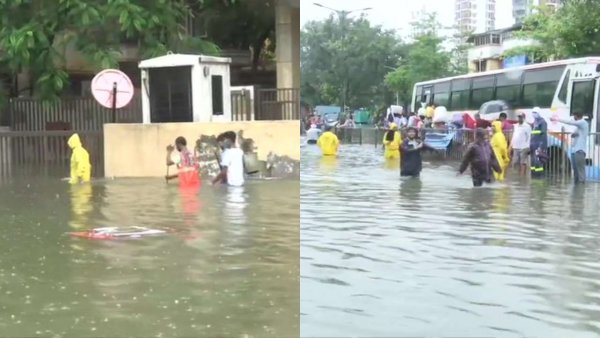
{"x":469,"y":122}
{"x":506,"y":125}
{"x":484,"y":124}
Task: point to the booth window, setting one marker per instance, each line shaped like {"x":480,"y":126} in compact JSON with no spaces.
{"x":217,"y":94}
{"x":171,"y":94}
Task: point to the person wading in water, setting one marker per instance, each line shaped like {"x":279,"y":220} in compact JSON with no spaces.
{"x":391,"y":142}
{"x":186,"y":164}
{"x":411,"y":148}
{"x":481,"y":158}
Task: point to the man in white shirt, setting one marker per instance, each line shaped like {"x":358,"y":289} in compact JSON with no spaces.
{"x":232,"y":165}
{"x":312,"y":135}
{"x":519,"y":144}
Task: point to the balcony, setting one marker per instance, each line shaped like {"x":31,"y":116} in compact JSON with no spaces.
{"x":484,"y":52}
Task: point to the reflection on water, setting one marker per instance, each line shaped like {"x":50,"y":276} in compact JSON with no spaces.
{"x":381,"y":256}
{"x":81,"y":206}
{"x":228,"y":267}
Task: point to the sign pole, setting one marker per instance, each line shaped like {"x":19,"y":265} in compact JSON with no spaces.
{"x":114,"y":103}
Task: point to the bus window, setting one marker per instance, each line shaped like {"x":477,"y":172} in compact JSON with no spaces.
{"x":460,"y":94}
{"x":562,"y":94}
{"x":508,"y":88}
{"x":582,"y":98}
{"x":483,"y":91}
{"x":441,"y":99}
{"x":419,"y":91}
{"x":426,"y":96}
{"x":441,"y":93}
{"x":539,"y":86}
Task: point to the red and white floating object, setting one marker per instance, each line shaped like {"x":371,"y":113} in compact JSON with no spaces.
{"x":117,"y":233}
{"x":112,"y":88}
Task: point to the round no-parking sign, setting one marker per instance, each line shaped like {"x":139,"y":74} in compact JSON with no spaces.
{"x":112,"y":88}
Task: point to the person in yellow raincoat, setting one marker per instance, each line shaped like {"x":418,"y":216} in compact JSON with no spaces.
{"x":328,"y":142}
{"x":429,"y":111}
{"x":500,"y":147}
{"x":391,"y":141}
{"x":81,"y":169}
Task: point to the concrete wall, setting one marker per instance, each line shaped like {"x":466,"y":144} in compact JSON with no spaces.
{"x":490,"y":64}
{"x":138,"y":150}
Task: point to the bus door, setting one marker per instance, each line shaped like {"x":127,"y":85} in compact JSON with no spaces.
{"x":595,"y":126}
{"x":584,"y":98}
{"x":595,"y":121}
{"x":427,"y":95}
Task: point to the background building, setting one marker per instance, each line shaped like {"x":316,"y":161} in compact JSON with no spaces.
{"x":488,"y":47}
{"x":280,"y":70}
{"x":522,"y":8}
{"x":475,"y":16}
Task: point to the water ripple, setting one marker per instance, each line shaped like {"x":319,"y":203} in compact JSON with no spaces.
{"x":227,"y":268}
{"x":432,"y":256}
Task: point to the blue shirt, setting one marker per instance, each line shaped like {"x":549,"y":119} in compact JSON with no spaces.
{"x":580,"y":136}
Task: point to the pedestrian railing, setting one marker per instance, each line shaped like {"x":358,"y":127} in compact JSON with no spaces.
{"x":558,"y":164}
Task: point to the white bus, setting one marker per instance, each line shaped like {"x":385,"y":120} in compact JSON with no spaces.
{"x":558,"y":88}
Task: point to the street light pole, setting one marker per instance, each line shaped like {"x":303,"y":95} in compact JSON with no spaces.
{"x":342,"y":14}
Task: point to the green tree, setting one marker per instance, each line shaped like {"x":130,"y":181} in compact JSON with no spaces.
{"x":459,"y":60}
{"x":344,"y":60}
{"x":571,"y":31}
{"x":241,"y":25}
{"x":35,"y":33}
{"x":426,"y":60}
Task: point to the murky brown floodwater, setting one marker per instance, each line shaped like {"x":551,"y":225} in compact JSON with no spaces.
{"x":228,"y":266}
{"x":382,"y":257}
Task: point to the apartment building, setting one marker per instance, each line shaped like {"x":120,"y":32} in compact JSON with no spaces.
{"x":522,"y":8}
{"x":488,"y":47}
{"x":475,"y":16}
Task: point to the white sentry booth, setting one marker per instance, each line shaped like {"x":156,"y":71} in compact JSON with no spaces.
{"x":186,"y":88}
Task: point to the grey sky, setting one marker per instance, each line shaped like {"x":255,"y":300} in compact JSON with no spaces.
{"x":397,"y":14}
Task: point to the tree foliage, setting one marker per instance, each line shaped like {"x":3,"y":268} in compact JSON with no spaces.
{"x":459,"y":58}
{"x":375,"y":62}
{"x":241,"y":25}
{"x":571,"y":31}
{"x":346,"y":59}
{"x":427,"y":59}
{"x":34,"y":34}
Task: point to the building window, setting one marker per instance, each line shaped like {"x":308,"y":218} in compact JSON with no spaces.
{"x":217,"y":94}
{"x":480,"y":65}
{"x":171,"y":99}
{"x":496,"y":39}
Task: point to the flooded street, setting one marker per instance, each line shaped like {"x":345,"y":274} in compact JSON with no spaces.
{"x":434,"y":257}
{"x":227,"y":267}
